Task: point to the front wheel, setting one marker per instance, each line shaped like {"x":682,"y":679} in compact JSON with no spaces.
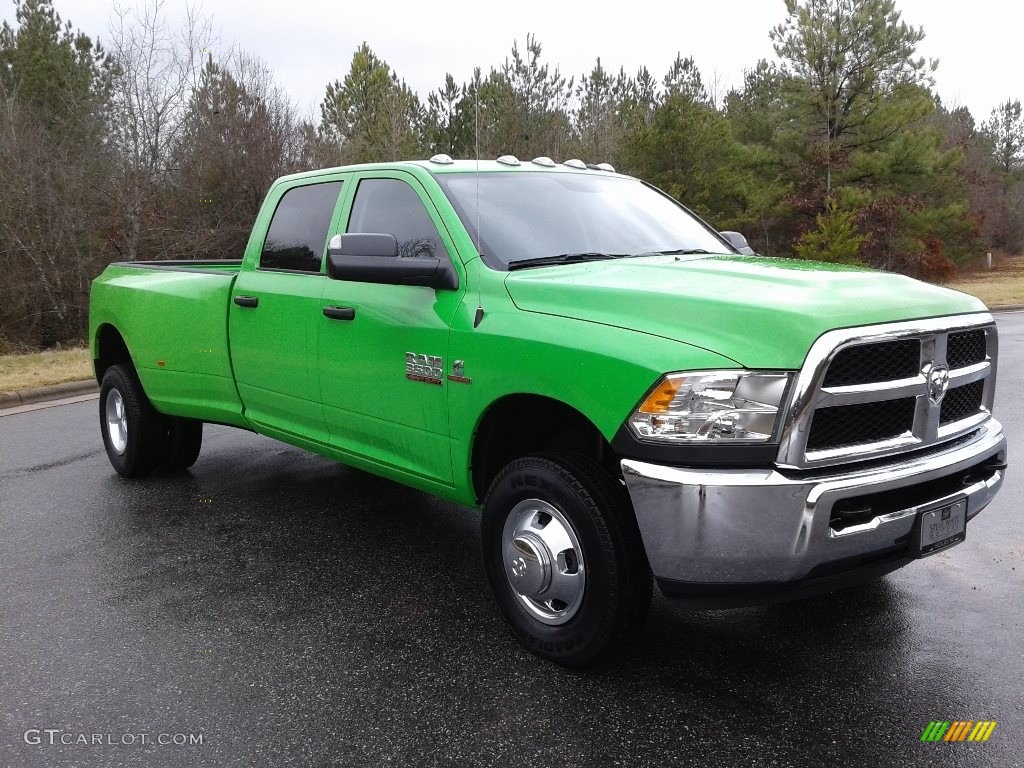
{"x":564,"y":558}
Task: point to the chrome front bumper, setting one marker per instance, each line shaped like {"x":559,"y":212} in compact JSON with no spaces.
{"x":760,"y":527}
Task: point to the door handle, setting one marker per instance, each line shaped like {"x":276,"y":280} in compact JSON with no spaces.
{"x":247,"y":301}
{"x":340,"y":313}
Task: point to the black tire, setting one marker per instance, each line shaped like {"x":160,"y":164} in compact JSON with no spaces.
{"x":144,"y":430}
{"x":617,"y":592}
{"x":184,"y":441}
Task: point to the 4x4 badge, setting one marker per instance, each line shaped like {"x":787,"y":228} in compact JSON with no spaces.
{"x":459,"y":373}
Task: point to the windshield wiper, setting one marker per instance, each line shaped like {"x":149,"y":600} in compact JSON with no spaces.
{"x":564,"y":258}
{"x":673,"y":252}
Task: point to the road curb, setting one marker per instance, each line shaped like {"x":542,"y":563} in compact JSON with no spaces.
{"x":53,"y":392}
{"x":1008,"y":308}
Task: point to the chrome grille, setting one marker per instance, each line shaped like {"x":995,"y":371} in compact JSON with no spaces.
{"x":844,"y":425}
{"x":962,"y":402}
{"x":866,"y":363}
{"x":881,"y":390}
{"x":966,"y":348}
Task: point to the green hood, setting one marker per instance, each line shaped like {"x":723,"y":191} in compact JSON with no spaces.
{"x":760,"y":312}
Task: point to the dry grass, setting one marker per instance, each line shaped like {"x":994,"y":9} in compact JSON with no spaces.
{"x":998,"y":288}
{"x":40,"y":369}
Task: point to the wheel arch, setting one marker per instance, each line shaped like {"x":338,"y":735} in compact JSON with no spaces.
{"x":111,"y":349}
{"x":517,"y":425}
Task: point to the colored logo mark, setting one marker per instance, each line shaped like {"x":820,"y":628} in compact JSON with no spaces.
{"x":958,"y":730}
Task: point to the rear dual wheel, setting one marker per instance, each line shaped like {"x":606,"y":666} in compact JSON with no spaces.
{"x":564,"y":558}
{"x":137,"y":438}
{"x":183,"y":442}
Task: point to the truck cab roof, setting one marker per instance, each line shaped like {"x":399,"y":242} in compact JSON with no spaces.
{"x":504,"y":164}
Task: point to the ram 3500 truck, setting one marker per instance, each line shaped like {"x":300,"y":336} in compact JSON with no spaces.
{"x":622,"y":391}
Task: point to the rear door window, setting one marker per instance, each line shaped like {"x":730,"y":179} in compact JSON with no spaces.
{"x":297,"y":235}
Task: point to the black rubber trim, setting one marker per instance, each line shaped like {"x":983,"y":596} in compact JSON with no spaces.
{"x":626,"y":444}
{"x":919,"y":495}
{"x":821,"y":580}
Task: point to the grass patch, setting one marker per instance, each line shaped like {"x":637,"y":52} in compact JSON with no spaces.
{"x":40,"y":369}
{"x":998,"y":287}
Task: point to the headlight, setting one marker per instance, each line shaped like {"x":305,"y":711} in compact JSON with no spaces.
{"x":711,"y":406}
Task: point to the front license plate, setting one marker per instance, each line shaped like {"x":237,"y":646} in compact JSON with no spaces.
{"x":942,"y":527}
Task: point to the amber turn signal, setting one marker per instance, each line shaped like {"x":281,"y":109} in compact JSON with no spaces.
{"x":661,"y":398}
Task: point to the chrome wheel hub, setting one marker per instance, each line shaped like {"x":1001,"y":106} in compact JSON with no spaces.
{"x":117,"y":422}
{"x":544,"y":561}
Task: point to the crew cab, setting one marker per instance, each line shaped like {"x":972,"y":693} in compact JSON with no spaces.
{"x":627,"y":395}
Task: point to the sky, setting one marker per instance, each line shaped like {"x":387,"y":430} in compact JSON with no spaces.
{"x":309,"y":43}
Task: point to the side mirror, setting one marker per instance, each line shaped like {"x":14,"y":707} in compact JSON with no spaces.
{"x":373,"y":258}
{"x":739,"y":242}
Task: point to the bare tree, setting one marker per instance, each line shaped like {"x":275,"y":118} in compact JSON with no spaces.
{"x":241,"y":132}
{"x":158,"y":66}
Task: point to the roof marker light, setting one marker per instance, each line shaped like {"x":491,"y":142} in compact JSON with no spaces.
{"x":509,"y":160}
{"x":547,"y":162}
{"x":574,"y":163}
{"x":605,"y":167}
{"x":442,"y":159}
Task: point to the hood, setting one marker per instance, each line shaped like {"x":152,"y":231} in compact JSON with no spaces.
{"x":760,"y":312}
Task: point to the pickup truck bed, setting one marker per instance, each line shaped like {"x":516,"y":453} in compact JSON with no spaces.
{"x":175,"y":313}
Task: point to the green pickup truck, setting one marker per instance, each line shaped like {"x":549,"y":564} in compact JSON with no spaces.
{"x":622,"y":391}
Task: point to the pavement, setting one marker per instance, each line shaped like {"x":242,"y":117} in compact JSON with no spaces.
{"x":285,"y":610}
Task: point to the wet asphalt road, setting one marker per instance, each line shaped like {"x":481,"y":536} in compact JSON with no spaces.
{"x":290,"y":611}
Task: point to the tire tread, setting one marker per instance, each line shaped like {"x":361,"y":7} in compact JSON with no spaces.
{"x":606,"y":501}
{"x":146,"y":436}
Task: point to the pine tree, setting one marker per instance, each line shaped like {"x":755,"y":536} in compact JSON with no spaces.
{"x":450,"y":120}
{"x":684,"y":79}
{"x":1005,"y":130}
{"x":599,"y":119}
{"x":857,"y":129}
{"x":371,"y":115}
{"x":689,"y":151}
{"x":836,"y":239}
{"x":1003,"y":134}
{"x":54,"y":158}
{"x":55,"y":71}
{"x":535,"y":102}
{"x":852,"y":72}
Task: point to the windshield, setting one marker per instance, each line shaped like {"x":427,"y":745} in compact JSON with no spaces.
{"x":526,"y":216}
